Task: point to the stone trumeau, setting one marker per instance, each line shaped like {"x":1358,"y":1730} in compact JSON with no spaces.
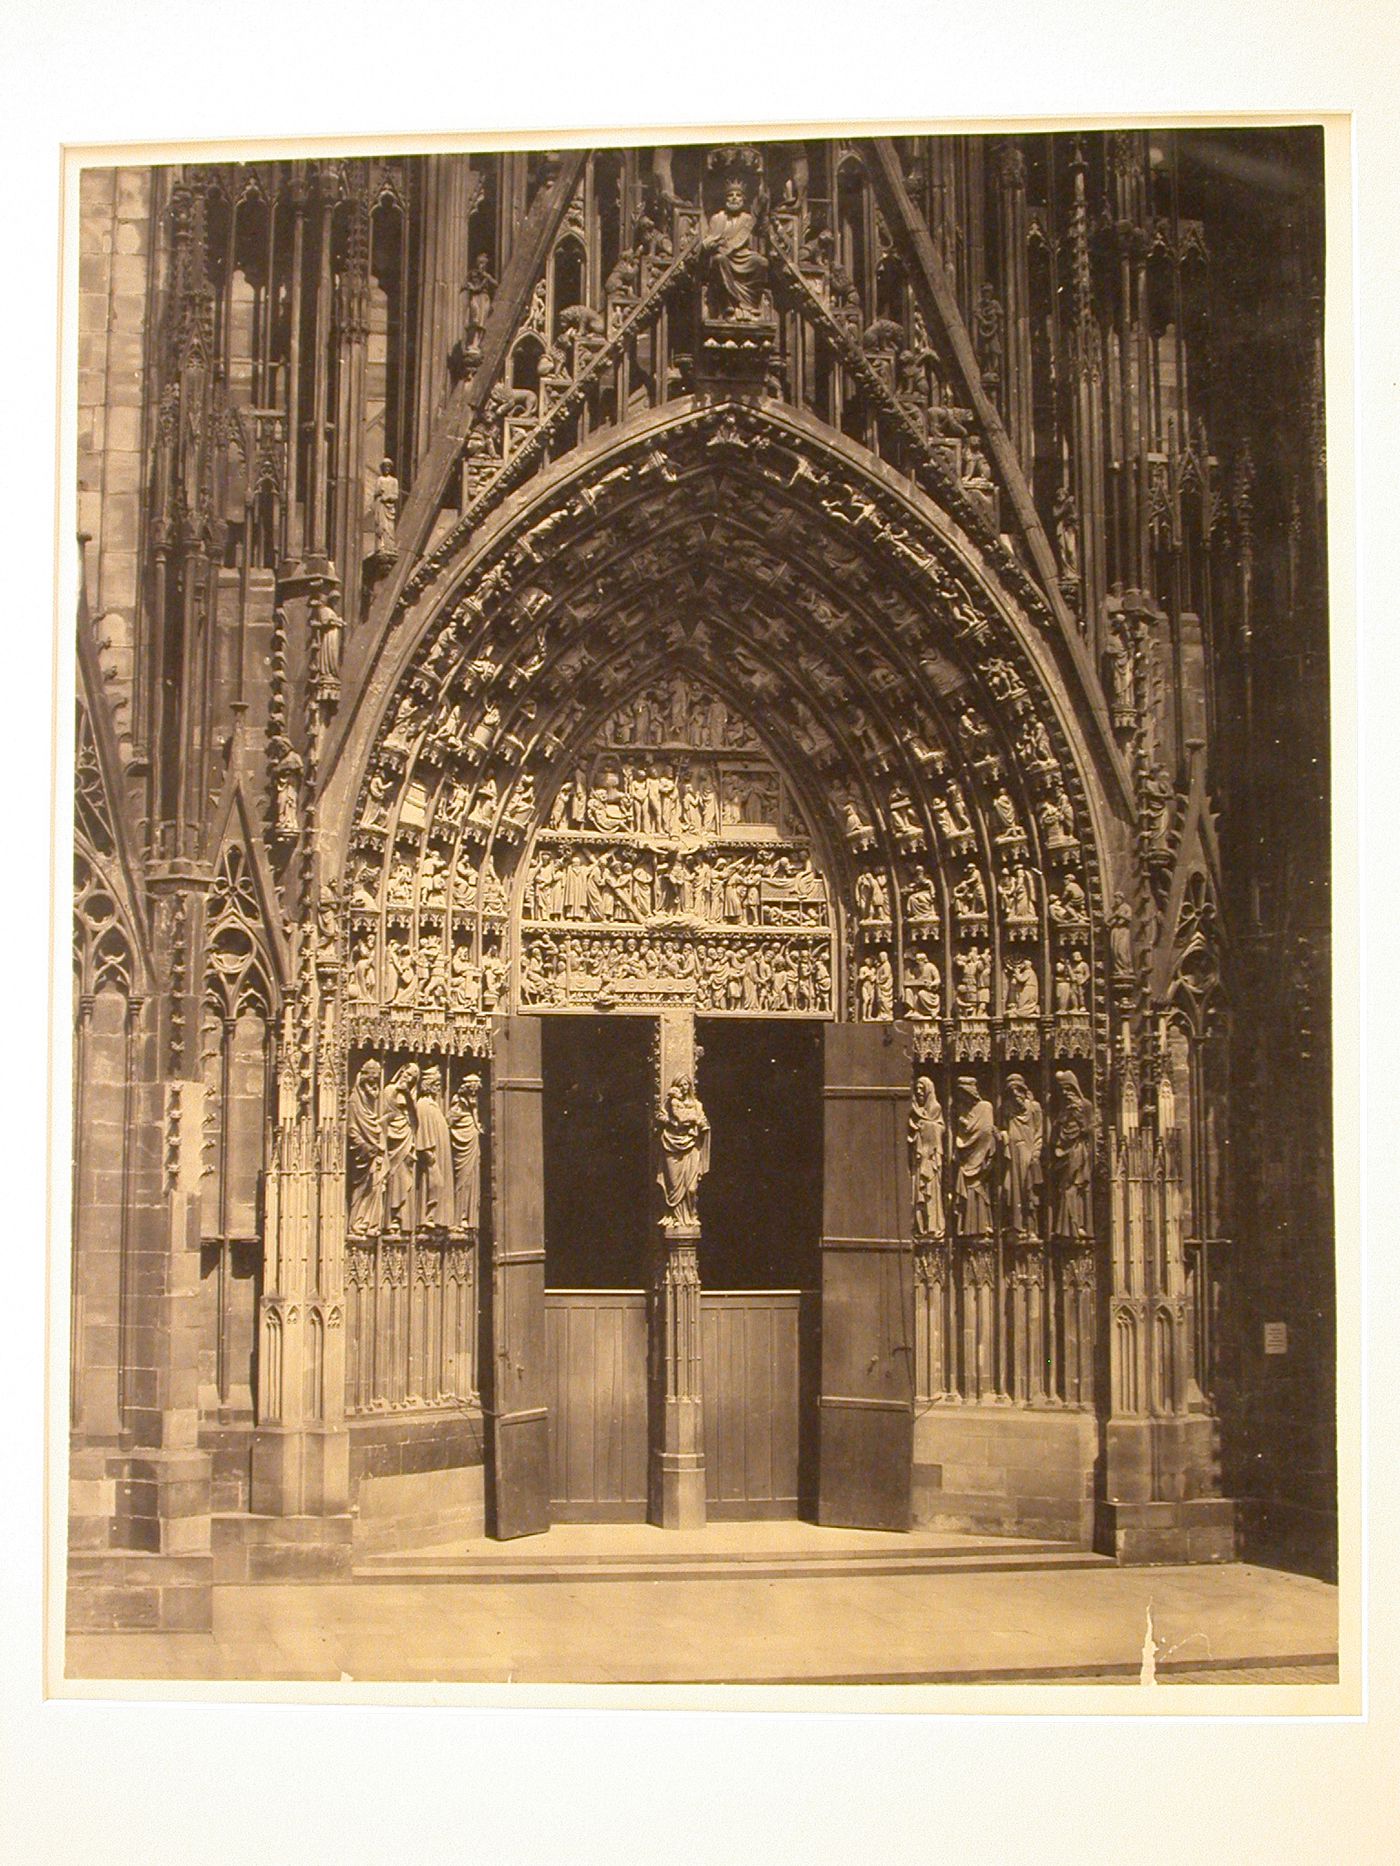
{"x":767,"y":587}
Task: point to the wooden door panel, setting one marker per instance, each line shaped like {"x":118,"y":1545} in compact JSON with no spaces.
{"x":597,"y":1341}
{"x":866,"y":1436}
{"x":515,"y":1373}
{"x":749,"y":1342}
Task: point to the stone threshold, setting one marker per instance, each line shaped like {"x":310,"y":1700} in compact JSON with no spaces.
{"x":721,"y":1568}
{"x":748,"y":1550}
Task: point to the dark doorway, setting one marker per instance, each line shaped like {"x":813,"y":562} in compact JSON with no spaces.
{"x":760,"y":1226}
{"x":597,"y":1204}
{"x":760,"y":1206}
{"x":597,"y":1115}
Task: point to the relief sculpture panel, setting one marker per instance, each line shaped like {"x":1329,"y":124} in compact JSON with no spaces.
{"x":676,"y":867}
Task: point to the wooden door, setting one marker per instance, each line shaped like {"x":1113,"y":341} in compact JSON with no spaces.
{"x":597,"y":1341}
{"x":514,"y":1360}
{"x":866,"y":1407}
{"x":749,"y":1348}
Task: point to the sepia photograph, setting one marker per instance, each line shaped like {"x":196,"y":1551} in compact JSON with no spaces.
{"x":701,"y":919}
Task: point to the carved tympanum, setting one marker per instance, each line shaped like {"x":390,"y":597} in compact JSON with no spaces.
{"x":676,"y":866}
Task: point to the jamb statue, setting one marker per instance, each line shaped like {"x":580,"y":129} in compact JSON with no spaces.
{"x":434,"y":1149}
{"x":928,"y":1144}
{"x":364,"y":1149}
{"x":1070,"y":1164}
{"x":975,"y":1149}
{"x":464,"y":1126}
{"x":401,"y":1146}
{"x":1023,"y":1142}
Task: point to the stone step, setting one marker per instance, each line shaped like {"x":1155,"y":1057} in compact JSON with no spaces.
{"x":723,"y":1566}
{"x":533,"y":1551}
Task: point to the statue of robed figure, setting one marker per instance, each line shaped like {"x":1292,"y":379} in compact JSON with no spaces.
{"x":928,"y":1141}
{"x":1071,"y":1159}
{"x":1023,"y":1138}
{"x":684,"y":1134}
{"x":400,"y":1145}
{"x":464,"y":1126}
{"x":737,"y":274}
{"x":364,"y":1149}
{"x":436,"y":1195}
{"x":975,"y":1145}
{"x":386,"y":510}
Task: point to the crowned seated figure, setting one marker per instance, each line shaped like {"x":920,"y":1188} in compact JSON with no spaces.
{"x":736,"y":275}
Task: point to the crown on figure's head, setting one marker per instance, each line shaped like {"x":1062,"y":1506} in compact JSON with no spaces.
{"x":735,"y":165}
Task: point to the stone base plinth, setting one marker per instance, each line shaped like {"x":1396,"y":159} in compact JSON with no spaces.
{"x":281,"y":1548}
{"x":230,"y":1449}
{"x":131,"y":1591}
{"x":1198,"y":1529}
{"x":416,"y":1507}
{"x":1003,"y":1470}
{"x":92,"y":1497}
{"x":163,"y":1502}
{"x":300,"y":1471}
{"x":1155,"y":1460}
{"x":676,"y":1490}
{"x":139,"y":1556}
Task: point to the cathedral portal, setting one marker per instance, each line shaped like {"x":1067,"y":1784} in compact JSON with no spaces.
{"x":666,"y":741}
{"x":739,"y":751}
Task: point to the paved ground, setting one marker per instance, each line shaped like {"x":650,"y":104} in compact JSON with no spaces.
{"x":772,"y":1604}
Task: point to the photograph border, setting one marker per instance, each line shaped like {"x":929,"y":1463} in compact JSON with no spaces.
{"x":1343,"y":1698}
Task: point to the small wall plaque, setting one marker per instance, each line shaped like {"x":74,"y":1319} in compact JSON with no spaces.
{"x":1276,"y":1337}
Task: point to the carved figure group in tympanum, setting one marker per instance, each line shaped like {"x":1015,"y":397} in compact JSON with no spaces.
{"x":676,"y":866}
{"x":672,"y":848}
{"x":713,"y":973}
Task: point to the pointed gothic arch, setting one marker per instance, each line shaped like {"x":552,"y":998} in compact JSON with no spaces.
{"x":915,"y":538}
{"x":917,"y":708}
